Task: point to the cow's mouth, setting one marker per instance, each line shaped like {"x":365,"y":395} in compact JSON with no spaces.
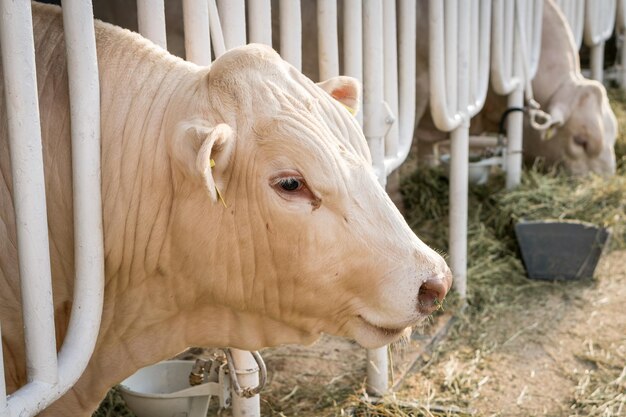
{"x":387,"y":332}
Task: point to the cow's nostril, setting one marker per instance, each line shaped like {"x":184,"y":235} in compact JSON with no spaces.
{"x":431,"y":294}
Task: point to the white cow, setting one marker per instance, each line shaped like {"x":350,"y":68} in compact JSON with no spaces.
{"x":308,"y":241}
{"x":584,"y":137}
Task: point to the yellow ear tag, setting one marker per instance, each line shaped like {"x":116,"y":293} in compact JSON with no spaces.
{"x":350,"y":109}
{"x":219,"y":195}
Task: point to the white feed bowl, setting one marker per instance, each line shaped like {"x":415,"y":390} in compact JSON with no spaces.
{"x":163,"y":390}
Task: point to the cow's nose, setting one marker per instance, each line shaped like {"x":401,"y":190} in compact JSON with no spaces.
{"x":432,"y":292}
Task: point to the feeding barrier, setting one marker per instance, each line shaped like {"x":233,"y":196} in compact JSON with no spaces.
{"x":599,"y":24}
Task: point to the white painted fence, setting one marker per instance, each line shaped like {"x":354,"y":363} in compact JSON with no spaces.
{"x":459,"y":73}
{"x":50,"y":375}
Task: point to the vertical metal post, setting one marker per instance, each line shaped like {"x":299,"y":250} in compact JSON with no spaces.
{"x":374,"y":129}
{"x":597,"y":61}
{"x":459,"y":157}
{"x":260,"y":21}
{"x":353,"y":42}
{"x":248,"y":376}
{"x":151,"y":21}
{"x":390,"y":59}
{"x":197,"y":38}
{"x":52,"y":376}
{"x":233,"y":17}
{"x":599,"y":24}
{"x":327,"y":39}
{"x":29,"y":193}
{"x":291,"y":32}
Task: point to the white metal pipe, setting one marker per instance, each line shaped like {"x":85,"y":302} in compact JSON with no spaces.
{"x":459,"y":159}
{"x":151,"y":21}
{"x":353,"y":43}
{"x":291,"y":32}
{"x":327,"y":39}
{"x":599,"y":24}
{"x":197,"y":38}
{"x":377,"y":373}
{"x":82,"y":63}
{"x":514,"y":133}
{"x":574,"y":12}
{"x":407,"y":39}
{"x":84,"y":322}
{"x":597,"y":61}
{"x":248,"y":376}
{"x":374,"y":115}
{"x":260,"y":21}
{"x":217,"y":36}
{"x":29,"y":194}
{"x":233,"y":18}
{"x":503,"y":78}
{"x":374,"y":128}
{"x":459,"y":162}
{"x":451,"y":53}
{"x":390,"y":59}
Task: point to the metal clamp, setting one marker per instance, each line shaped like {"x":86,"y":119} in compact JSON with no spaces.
{"x":247,"y":392}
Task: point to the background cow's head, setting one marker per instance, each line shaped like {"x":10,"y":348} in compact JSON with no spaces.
{"x":584,"y":137}
{"x":307,"y":240}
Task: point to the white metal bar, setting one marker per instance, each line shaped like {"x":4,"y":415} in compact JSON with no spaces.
{"x":459,"y":157}
{"x":291,"y":32}
{"x":82,"y":63}
{"x":390,"y":59}
{"x":233,"y":18}
{"x":407,"y":40}
{"x":260,"y":21}
{"x":599,"y":24}
{"x":248,"y":376}
{"x":84,"y":322}
{"x":574,"y":12}
{"x":353,"y":42}
{"x":151,"y":21}
{"x":29,"y":198}
{"x":374,"y":128}
{"x":377,"y":371}
{"x":327,"y":39}
{"x":217,"y":36}
{"x":197,"y":38}
{"x":458,"y":87}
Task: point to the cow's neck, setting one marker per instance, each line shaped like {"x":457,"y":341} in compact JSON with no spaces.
{"x":139,"y":87}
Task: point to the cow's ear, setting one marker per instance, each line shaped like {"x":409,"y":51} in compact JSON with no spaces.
{"x":346,"y":90}
{"x":203,"y":151}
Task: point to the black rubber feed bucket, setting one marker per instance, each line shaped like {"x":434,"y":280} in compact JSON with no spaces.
{"x":560,"y":250}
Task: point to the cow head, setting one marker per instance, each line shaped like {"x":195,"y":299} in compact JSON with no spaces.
{"x":584,"y":137}
{"x":305,"y":240}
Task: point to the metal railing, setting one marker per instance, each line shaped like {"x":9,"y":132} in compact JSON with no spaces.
{"x":599,"y":24}
{"x":50,"y":375}
{"x":459,"y":72}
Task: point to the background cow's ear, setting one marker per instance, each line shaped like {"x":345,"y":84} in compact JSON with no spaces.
{"x":202,"y":151}
{"x":346,"y":90}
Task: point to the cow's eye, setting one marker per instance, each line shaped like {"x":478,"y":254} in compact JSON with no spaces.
{"x":290,"y":184}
